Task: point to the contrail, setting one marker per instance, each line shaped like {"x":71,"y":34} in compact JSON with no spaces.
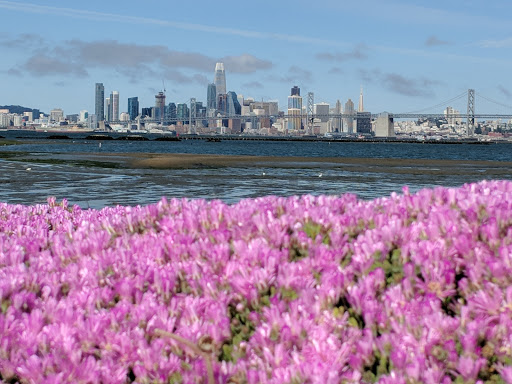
{"x":101,"y":16}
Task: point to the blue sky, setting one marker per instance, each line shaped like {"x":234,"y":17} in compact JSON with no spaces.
{"x":407,"y":55}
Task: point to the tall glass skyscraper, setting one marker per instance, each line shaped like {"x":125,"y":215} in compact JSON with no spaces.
{"x":234,"y":107}
{"x":211,"y":97}
{"x":99,"y":106}
{"x":220,"y":80}
{"x":295,"y":110}
{"x":133,"y":107}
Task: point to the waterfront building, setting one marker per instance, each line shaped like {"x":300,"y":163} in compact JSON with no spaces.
{"x":133,"y":107}
{"x":220,"y":80}
{"x":349,"y":122}
{"x":114,"y":101}
{"x":211,"y":97}
{"x":92,"y":121}
{"x":56,"y":115}
{"x":384,"y":125}
{"x":159,"y":106}
{"x":99,"y":107}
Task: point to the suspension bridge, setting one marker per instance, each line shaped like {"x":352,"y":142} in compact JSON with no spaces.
{"x":433,"y":112}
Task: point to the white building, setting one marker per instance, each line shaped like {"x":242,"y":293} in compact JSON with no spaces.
{"x":84,"y":115}
{"x":57,"y":115}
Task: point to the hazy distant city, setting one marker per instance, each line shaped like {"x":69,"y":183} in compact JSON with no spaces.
{"x":228,"y":113}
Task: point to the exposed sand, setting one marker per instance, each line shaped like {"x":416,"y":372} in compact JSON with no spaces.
{"x":491,"y":169}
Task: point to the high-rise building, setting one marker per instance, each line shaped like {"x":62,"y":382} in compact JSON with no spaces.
{"x":220,"y":80}
{"x":108,"y":109}
{"x":360,"y":107}
{"x":234,"y":107}
{"x":133,"y":107}
{"x":322,"y":110}
{"x":114,"y":101}
{"x":211,"y":97}
{"x":295,"y":110}
{"x":99,"y":107}
{"x":182,"y":113}
{"x":349,"y":122}
{"x":159,"y":106}
{"x":171,"y":112}
{"x":336,"y":121}
{"x":56,"y":115}
{"x":364,"y":122}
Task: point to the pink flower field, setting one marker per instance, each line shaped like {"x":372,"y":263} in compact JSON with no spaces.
{"x":413,"y":288}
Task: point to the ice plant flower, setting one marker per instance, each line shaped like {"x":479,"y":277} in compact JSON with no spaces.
{"x":319,"y":289}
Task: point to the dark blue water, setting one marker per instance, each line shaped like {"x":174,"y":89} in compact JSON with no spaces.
{"x":30,"y":182}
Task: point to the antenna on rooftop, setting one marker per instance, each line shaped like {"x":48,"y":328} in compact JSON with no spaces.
{"x":163,"y":84}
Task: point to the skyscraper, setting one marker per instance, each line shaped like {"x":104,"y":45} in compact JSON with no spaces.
{"x":220,"y":80}
{"x":295,"y":110}
{"x":133,"y":107}
{"x":108,"y":109}
{"x":114,"y":100}
{"x":99,"y":107}
{"x":211,"y":97}
{"x":234,"y":107}
{"x":360,"y":107}
{"x":349,"y":110}
{"x":159,"y":106}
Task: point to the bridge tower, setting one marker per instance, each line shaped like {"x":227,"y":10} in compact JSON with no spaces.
{"x":309,"y":111}
{"x":192,"y":116}
{"x":470,"y":118}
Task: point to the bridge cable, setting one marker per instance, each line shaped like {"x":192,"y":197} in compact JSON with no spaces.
{"x":443,"y":104}
{"x":494,"y":101}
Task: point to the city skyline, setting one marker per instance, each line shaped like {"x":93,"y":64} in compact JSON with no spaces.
{"x":407,"y":56}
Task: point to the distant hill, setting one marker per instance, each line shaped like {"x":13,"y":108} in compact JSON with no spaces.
{"x":18,"y":109}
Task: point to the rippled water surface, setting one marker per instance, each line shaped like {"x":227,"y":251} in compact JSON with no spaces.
{"x":29,"y":182}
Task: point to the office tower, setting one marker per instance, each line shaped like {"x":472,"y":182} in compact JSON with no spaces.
{"x":133,"y":107}
{"x":108,"y":109}
{"x":211,"y":97}
{"x":234,"y":107}
{"x":146,"y":112}
{"x":360,"y":107}
{"x":349,"y":122}
{"x":222,"y":103}
{"x":159,"y":107}
{"x":220,"y":80}
{"x":336,"y":121}
{"x":56,"y":115}
{"x":364,"y":122}
{"x":171,"y":112}
{"x":182,"y":112}
{"x":322,"y":110}
{"x":99,"y":107}
{"x":114,"y":102}
{"x":294,"y":110}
